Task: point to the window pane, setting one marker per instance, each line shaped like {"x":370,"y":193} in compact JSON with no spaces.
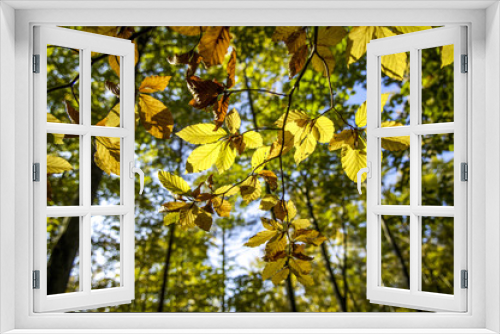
{"x":63,"y":169}
{"x":437,"y":84}
{"x":395,"y":251}
{"x":437,"y":170}
{"x":395,"y":171}
{"x":437,"y":254}
{"x":105,"y":251}
{"x":395,"y":98}
{"x":106,"y":90}
{"x":62,"y":278}
{"x":105,"y":183}
{"x":63,"y":71}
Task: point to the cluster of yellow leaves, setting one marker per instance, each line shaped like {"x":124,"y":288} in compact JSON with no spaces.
{"x":218,"y":146}
{"x":353,"y":145}
{"x":192,"y":207}
{"x":295,"y":40}
{"x":303,"y":133}
{"x":285,"y":240}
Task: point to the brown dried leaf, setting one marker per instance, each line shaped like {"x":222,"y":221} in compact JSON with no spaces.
{"x":220,"y":111}
{"x":231,"y":70}
{"x":191,"y":58}
{"x":188,"y":31}
{"x":297,"y":61}
{"x":295,"y":41}
{"x":270,"y":178}
{"x":204,"y":92}
{"x":298,"y":252}
{"x":155,"y":117}
{"x":73,"y":114}
{"x":222,"y":207}
{"x":214,"y":44}
{"x":112,"y":87}
{"x":202,"y":218}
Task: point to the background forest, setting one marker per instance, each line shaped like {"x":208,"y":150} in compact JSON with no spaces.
{"x":238,"y":215}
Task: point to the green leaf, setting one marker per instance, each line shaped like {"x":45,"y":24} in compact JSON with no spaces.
{"x":174,"y":183}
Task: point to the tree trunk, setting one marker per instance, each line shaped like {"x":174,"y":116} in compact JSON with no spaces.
{"x":166,"y":268}
{"x":397,"y":251}
{"x":64,"y":252}
{"x":223,"y":251}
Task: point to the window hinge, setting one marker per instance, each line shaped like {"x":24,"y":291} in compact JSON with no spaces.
{"x":464,"y":171}
{"x":36,"y":172}
{"x":465,"y":279}
{"x":465,"y":64}
{"x":36,"y":63}
{"x":36,"y":279}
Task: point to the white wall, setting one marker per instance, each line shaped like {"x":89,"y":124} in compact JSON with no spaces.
{"x":7,"y":159}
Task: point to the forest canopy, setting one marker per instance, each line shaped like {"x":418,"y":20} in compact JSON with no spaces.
{"x":251,"y":139}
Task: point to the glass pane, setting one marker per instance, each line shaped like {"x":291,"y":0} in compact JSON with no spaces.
{"x":395,"y":251}
{"x":395,"y":89}
{"x":63,"y":247}
{"x":63,"y":169}
{"x":395,"y":171}
{"x":437,"y":254}
{"x":106,"y":91}
{"x":437,"y":84}
{"x":437,"y":170}
{"x":105,"y":251}
{"x":105,"y":182}
{"x":63,"y":90}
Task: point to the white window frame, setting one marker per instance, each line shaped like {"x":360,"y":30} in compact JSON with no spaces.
{"x":483,"y":20}
{"x":414,"y":297}
{"x":87,"y":43}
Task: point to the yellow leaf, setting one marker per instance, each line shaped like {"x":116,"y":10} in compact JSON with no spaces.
{"x":271,"y":224}
{"x":305,"y":148}
{"x":107,"y":155}
{"x":280,"y":276}
{"x":250,"y":189}
{"x":231,"y":70}
{"x":233,"y":121}
{"x":226,"y":157}
{"x":409,"y":29}
{"x":252,"y":139}
{"x":214,"y":44}
{"x":114,"y":61}
{"x":268,"y":202}
{"x":260,"y":238}
{"x":361,"y":114}
{"x":358,"y":38}
{"x":323,"y":129}
{"x":301,"y":224}
{"x":281,"y":213}
{"x":293,"y":115}
{"x":394,"y":65}
{"x":295,"y":41}
{"x":222,"y":207}
{"x":202,"y":218}
{"x":188,"y":31}
{"x":278,"y":145}
{"x":327,"y":56}
{"x":203,"y":157}
{"x":187,"y":217}
{"x":201,"y":134}
{"x":272,"y":267}
{"x":171,"y":218}
{"x":282,"y":33}
{"x":297,"y":61}
{"x":154,"y":83}
{"x":394,"y":143}
{"x":306,"y":280}
{"x":330,"y":36}
{"x":228,"y":190}
{"x":345,"y":137}
{"x":258,"y":158}
{"x":300,"y":267}
{"x":155,"y":117}
{"x":354,"y":158}
{"x":58,"y":138}
{"x":312,"y":237}
{"x":270,"y":178}
{"x":57,"y":165}
{"x":112,"y":119}
{"x":447,"y":55}
{"x":173,"y":183}
{"x":276,"y":244}
{"x":175,"y":206}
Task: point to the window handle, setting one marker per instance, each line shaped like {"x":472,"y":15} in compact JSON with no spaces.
{"x":368,"y":171}
{"x":139,"y":171}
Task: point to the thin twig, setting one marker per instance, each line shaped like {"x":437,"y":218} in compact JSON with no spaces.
{"x":237,"y":91}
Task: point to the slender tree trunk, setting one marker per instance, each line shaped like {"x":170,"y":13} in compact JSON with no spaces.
{"x":166,"y":268}
{"x":291,"y":294}
{"x":223,"y":269}
{"x":341,"y":300}
{"x":64,"y":252}
{"x":397,"y":251}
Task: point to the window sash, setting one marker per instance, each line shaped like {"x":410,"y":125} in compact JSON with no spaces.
{"x":85,"y":298}
{"x":413,"y":298}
